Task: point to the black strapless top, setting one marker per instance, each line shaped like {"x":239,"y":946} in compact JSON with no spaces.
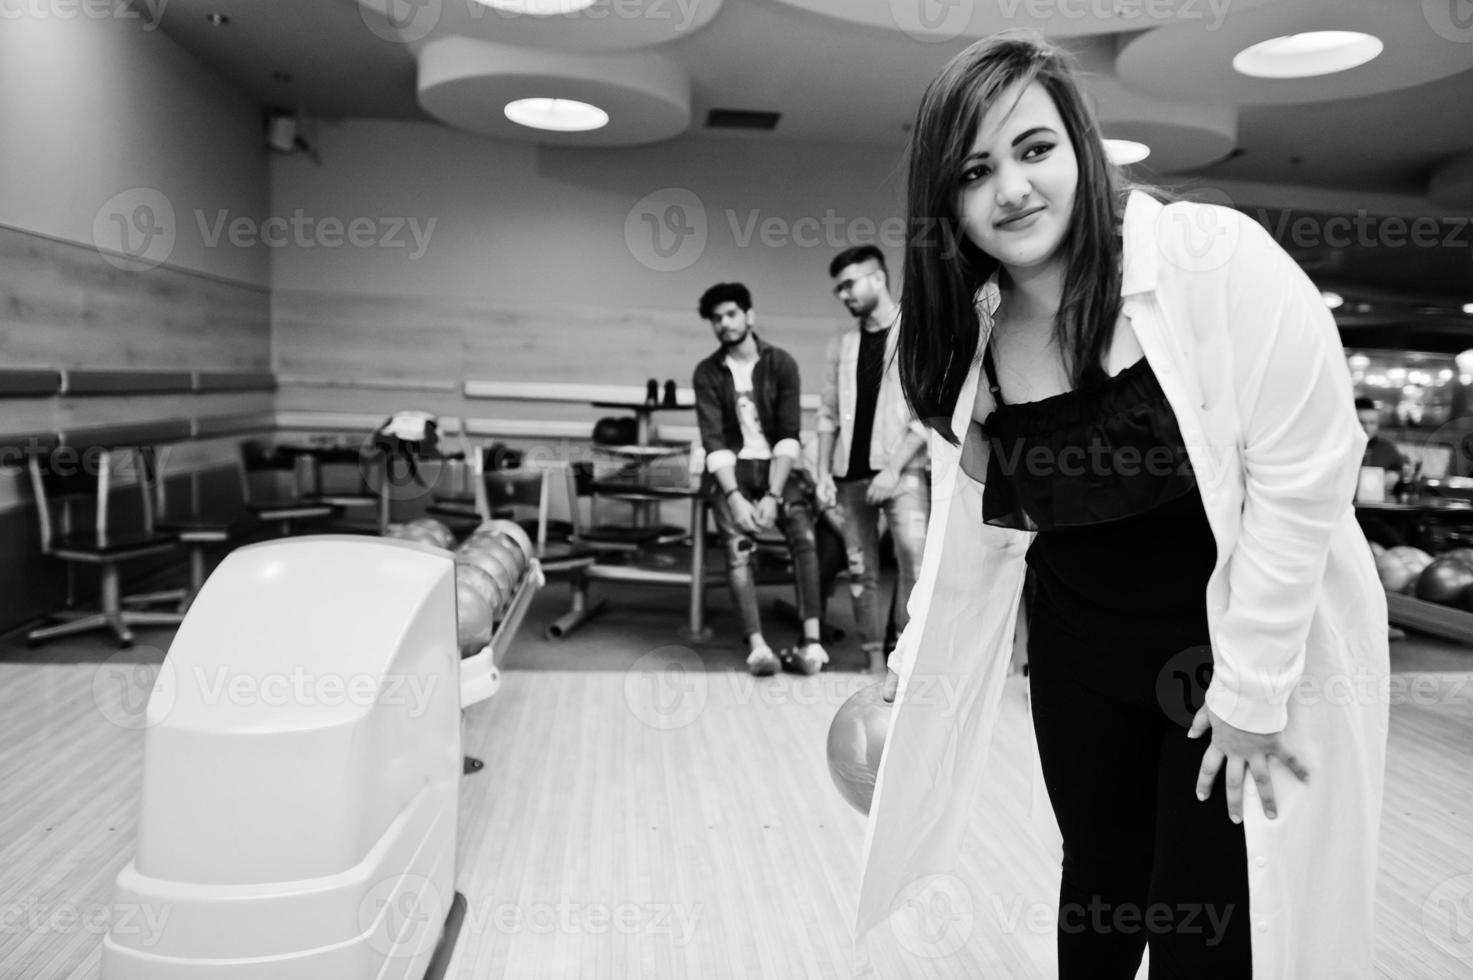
{"x":1098,"y":454}
{"x":1124,"y":549}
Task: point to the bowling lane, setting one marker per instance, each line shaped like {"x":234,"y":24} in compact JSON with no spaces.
{"x":630,"y":824}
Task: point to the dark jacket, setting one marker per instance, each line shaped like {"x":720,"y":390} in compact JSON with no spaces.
{"x":775,"y":388}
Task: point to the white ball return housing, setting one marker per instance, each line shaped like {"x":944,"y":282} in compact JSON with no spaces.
{"x":301,"y":771}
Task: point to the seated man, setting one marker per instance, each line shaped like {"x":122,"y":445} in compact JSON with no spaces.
{"x":747,"y":405}
{"x":1379,"y":452}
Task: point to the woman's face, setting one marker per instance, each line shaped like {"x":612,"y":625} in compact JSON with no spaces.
{"x":1019,"y":179}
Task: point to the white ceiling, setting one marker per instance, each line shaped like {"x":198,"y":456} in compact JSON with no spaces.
{"x":852,"y":71}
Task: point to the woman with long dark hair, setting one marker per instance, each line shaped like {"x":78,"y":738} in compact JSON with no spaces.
{"x":1145,"y":404}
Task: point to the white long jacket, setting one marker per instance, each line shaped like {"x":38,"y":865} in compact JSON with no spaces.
{"x":1251,"y":363}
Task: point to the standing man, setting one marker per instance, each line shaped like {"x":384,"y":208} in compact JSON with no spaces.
{"x":747,"y":404}
{"x":871,"y":450}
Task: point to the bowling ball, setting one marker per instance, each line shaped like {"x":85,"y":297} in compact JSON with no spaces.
{"x":1395,"y":574}
{"x":608,"y":432}
{"x":856,"y":740}
{"x":507,"y":551}
{"x":503,"y":548}
{"x":514,"y":531}
{"x":1415,"y":558}
{"x":1444,"y":581}
{"x":412,"y":532}
{"x":474,"y":616}
{"x":492,"y":563}
{"x":482,"y":582}
{"x":441,"y":535}
{"x":1464,"y":555}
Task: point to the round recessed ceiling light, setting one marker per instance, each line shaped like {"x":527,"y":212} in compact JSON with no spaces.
{"x":1306,"y":55}
{"x":557,"y":115}
{"x":1333,"y":300}
{"x":1123,"y":153}
{"x":538,"y":8}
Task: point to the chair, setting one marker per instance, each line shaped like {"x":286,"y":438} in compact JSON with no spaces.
{"x":196,"y":526}
{"x":282,"y":508}
{"x":65,"y":489}
{"x":511,"y":491}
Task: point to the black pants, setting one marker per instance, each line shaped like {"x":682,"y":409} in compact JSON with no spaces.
{"x":1144,"y":860}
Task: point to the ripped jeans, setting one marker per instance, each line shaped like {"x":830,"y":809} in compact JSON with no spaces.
{"x":906,"y":514}
{"x":795,"y":515}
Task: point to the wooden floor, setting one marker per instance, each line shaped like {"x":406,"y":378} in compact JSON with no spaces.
{"x":676,"y":825}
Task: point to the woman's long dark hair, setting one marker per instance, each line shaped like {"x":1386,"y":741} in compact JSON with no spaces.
{"x":943,"y":270}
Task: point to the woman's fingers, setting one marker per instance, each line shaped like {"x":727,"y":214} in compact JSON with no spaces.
{"x":1295,"y":766}
{"x":1200,"y":724}
{"x":1207,"y":775}
{"x":1258,"y":766}
{"x":1233,"y":778}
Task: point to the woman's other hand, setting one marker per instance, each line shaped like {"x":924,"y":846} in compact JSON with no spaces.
{"x":1233,"y":751}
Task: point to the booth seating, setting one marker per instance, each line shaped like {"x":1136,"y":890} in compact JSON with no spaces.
{"x":72,"y":479}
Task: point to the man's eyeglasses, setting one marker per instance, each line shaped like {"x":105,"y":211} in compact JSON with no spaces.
{"x":848,"y":284}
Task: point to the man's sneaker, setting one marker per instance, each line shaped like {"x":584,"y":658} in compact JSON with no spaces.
{"x":762,"y":662}
{"x":807,"y":659}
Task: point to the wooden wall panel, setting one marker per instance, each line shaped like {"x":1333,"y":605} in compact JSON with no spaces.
{"x":63,"y":305}
{"x":350,"y":337}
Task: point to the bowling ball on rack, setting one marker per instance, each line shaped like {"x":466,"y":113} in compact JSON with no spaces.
{"x":475,"y":616}
{"x":1395,"y":574}
{"x":492,"y":562}
{"x":855,"y":743}
{"x":1415,"y":558}
{"x":481,"y":580}
{"x":440,"y":534}
{"x":512,"y":530}
{"x":1464,"y":555}
{"x":501,"y":546}
{"x":413,"y":532}
{"x":1444,"y":581}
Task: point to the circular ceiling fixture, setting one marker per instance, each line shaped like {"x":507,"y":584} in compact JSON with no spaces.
{"x":950,"y":20}
{"x":1333,"y":300}
{"x":1123,"y":153}
{"x":552,"y":97}
{"x":1306,"y":40}
{"x":538,"y":8}
{"x":556,"y":115}
{"x":1309,"y":54}
{"x":555,"y":25}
